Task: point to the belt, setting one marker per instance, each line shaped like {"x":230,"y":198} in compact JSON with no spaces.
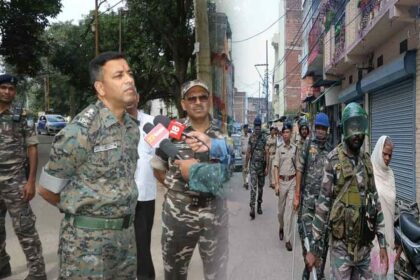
{"x":99,"y":223}
{"x":194,"y":200}
{"x":287,"y":178}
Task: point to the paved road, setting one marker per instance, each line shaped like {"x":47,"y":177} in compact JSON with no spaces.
{"x":255,"y":251}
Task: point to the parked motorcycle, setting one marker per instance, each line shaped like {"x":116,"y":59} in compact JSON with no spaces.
{"x":407,"y":238}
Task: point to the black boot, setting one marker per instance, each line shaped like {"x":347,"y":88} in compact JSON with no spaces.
{"x":246,"y":186}
{"x":252,"y":213}
{"x":259,"y":209}
{"x":5,"y":271}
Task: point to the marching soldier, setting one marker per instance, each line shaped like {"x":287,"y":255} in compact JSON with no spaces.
{"x":349,"y":202}
{"x":257,"y":157}
{"x":309,"y":167}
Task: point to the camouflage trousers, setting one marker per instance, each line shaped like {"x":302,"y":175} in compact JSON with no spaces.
{"x":286,"y":214}
{"x":96,"y":254}
{"x":23,"y":220}
{"x":305,"y":219}
{"x":184,"y":226}
{"x":345,"y":267}
{"x":257,"y":184}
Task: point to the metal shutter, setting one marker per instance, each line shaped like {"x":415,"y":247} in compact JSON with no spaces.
{"x":392,"y":111}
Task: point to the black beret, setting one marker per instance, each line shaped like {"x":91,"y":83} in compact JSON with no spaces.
{"x":8,"y":79}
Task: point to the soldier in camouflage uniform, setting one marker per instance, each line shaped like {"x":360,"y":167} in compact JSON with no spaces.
{"x":256,"y":159}
{"x":303,"y":127}
{"x":309,"y":168}
{"x":271,"y":147}
{"x":91,"y":169}
{"x":349,"y":203}
{"x":191,"y":218}
{"x":17,"y":142}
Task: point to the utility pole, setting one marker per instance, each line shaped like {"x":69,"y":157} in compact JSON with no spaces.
{"x":202,"y":44}
{"x":96,"y":27}
{"x":266,"y":79}
{"x":47,"y":93}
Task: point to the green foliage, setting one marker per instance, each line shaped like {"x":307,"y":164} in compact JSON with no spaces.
{"x":22,"y":23}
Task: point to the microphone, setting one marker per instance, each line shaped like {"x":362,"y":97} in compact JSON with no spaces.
{"x":175,"y":128}
{"x":155,"y":134}
{"x":169,"y":149}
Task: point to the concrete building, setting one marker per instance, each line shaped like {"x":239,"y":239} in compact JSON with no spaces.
{"x":256,"y":106}
{"x":370,"y":56}
{"x":286,"y":71}
{"x":239,"y":107}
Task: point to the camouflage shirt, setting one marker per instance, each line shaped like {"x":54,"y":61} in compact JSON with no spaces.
{"x":15,"y":137}
{"x":173,"y":178}
{"x":257,"y":146}
{"x":96,"y":157}
{"x":328,"y":194}
{"x":310,"y":162}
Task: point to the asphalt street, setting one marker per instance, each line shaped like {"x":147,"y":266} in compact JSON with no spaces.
{"x":255,"y":251}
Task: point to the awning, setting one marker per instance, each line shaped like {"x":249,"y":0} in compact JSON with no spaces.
{"x":327,"y":91}
{"x":331,"y":96}
{"x":399,"y":69}
{"x":324,"y":83}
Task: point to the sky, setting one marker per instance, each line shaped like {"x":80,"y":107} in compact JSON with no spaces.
{"x":246,"y":17}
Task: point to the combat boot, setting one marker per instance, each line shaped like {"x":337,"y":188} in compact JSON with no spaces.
{"x":5,"y":271}
{"x":259,"y":209}
{"x":252,"y":213}
{"x":246,"y":186}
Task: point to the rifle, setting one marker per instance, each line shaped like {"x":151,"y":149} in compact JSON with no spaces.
{"x":308,"y":248}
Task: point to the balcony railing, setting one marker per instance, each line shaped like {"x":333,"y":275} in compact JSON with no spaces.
{"x":370,"y":10}
{"x":339,"y":39}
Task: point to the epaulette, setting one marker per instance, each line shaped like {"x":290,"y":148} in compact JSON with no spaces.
{"x":86,"y":117}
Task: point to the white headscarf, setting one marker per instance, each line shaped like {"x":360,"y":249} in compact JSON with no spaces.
{"x":385,"y":185}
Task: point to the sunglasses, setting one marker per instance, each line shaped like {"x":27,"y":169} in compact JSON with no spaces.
{"x":201,"y":98}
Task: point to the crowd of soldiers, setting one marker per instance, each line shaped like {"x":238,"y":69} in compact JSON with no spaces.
{"x":331,"y":191}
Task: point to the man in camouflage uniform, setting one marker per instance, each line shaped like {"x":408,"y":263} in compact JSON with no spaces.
{"x":244,"y":149}
{"x":303,"y":128}
{"x":271,"y":147}
{"x":256,"y":159}
{"x":90,"y":178}
{"x":17,"y":142}
{"x":349,"y":202}
{"x":309,"y":168}
{"x":191,"y":218}
{"x":285,"y":177}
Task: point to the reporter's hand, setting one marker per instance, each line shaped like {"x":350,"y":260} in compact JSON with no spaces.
{"x":195,"y":141}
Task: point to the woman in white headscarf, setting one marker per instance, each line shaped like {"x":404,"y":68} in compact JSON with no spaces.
{"x":385,"y":184}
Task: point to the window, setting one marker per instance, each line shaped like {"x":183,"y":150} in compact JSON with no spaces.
{"x":403,"y":46}
{"x":380,"y":61}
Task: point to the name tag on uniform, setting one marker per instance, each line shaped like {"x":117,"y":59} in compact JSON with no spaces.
{"x":106,"y":147}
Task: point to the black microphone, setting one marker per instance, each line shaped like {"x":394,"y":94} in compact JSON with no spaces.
{"x":167,"y":147}
{"x":148,"y":127}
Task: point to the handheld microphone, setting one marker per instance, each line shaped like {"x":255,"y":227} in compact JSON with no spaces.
{"x":155,"y":134}
{"x":175,"y":128}
{"x":169,"y":149}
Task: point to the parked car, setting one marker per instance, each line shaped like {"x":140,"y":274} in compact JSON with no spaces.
{"x":238,"y":151}
{"x":50,"y":124}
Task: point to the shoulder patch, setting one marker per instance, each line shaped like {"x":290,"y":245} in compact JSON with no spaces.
{"x":86,"y":117}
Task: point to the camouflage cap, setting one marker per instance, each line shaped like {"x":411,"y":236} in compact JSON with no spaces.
{"x":8,"y":79}
{"x":190,"y":84}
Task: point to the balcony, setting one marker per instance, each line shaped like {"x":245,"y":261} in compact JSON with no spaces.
{"x":371,"y":22}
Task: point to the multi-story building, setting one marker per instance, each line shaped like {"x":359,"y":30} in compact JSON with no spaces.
{"x":370,"y":56}
{"x":256,"y":106}
{"x":239,"y":107}
{"x":287,"y":46}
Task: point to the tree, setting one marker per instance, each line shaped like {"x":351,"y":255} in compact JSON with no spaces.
{"x":166,"y":32}
{"x":21,"y":27}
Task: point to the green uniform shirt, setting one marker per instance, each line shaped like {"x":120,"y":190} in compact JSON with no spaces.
{"x":94,"y":158}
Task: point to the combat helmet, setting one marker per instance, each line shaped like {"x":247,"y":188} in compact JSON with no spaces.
{"x":354,"y":120}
